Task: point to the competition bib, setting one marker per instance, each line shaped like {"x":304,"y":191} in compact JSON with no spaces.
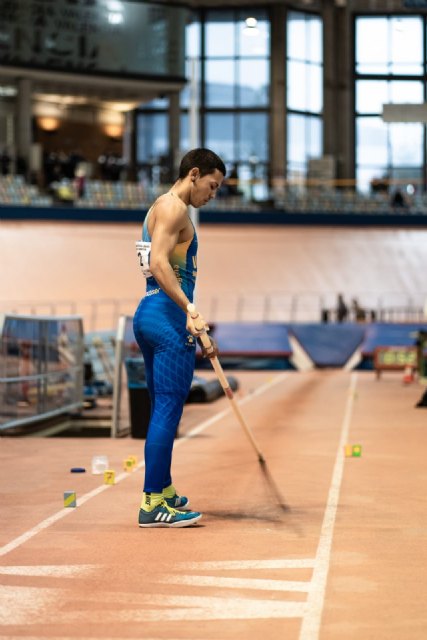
{"x":143,"y":252}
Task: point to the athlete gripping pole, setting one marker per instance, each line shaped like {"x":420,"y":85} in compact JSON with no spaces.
{"x":165,"y":331}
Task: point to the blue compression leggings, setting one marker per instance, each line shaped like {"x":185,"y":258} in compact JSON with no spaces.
{"x":169,"y":353}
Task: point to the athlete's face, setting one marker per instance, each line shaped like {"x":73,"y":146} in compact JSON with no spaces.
{"x":204,"y":188}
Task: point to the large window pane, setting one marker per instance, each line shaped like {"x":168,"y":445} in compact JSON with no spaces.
{"x":184,"y":131}
{"x":406,"y":91}
{"x":315,"y":137}
{"x":220,"y":35}
{"x":305,"y":87}
{"x":304,"y":138}
{"x":406,"y":40}
{"x":296,"y":36}
{"x":406,"y":144}
{"x":304,"y":36}
{"x":371,"y":95}
{"x":220,"y":83}
{"x":191,"y":67}
{"x":296,"y":139}
{"x":371,"y":142}
{"x":192,"y":40}
{"x":389,"y":45}
{"x":371,"y":45}
{"x":253,"y":79}
{"x":220,"y":135}
{"x":152,"y":137}
{"x":253,"y":136}
{"x":314,"y":39}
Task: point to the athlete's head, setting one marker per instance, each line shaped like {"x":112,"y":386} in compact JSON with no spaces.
{"x":205,"y":171}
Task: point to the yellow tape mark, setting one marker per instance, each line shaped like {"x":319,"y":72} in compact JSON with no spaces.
{"x":69,"y":499}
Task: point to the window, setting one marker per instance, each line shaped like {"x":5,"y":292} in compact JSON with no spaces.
{"x":234,"y":68}
{"x":391,"y":45}
{"x":152,"y":138}
{"x":389,"y":69}
{"x":236,"y":60}
{"x":304,"y":96}
{"x":230,"y":57}
{"x":220,"y":135}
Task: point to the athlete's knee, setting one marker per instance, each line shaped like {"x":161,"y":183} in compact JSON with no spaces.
{"x":166,"y":414}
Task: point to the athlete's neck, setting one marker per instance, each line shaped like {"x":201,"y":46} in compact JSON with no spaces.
{"x":181,"y":190}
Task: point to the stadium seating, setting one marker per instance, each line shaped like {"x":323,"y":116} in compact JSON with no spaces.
{"x":117,"y":195}
{"x":15,"y":191}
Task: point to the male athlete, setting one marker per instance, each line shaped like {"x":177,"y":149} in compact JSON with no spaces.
{"x":165,"y":331}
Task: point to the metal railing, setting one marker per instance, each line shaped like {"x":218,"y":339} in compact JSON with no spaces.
{"x":280,"y":306}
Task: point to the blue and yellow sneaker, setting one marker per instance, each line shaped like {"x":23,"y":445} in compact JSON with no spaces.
{"x":164,"y":516}
{"x":177,"y":502}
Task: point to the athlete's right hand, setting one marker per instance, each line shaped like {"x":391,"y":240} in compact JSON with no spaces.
{"x":211,"y":351}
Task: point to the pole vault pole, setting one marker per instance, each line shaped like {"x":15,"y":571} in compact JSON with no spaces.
{"x":207,"y":344}
{"x":223,"y":380}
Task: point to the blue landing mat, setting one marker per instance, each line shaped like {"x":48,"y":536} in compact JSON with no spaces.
{"x":251,"y":345}
{"x":389,"y":335}
{"x":329,"y":345}
{"x":252,"y":339}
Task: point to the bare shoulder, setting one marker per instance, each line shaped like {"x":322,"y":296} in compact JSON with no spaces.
{"x":170,"y":211}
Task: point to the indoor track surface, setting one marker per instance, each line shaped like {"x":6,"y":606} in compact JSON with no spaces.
{"x":344,"y":560}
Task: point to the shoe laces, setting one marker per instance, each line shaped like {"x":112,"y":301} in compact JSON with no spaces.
{"x":168,"y":508}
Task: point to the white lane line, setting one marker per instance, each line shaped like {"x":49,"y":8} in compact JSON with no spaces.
{"x":19,"y":605}
{"x":183,"y":608}
{"x":265,"y":387}
{"x":52,"y":571}
{"x":239,"y":583}
{"x":232,"y":565}
{"x":310,"y":627}
{"x":20,"y":540}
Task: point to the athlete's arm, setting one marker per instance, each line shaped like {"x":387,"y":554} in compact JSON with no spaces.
{"x":170,"y":220}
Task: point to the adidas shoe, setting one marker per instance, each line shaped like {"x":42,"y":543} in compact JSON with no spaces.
{"x":177,"y":502}
{"x":164,"y":516}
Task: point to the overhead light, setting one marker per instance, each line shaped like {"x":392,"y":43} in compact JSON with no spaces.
{"x":48,"y":124}
{"x":115,"y":11}
{"x":115,"y":18}
{"x":121,"y":107}
{"x":113,"y":130}
{"x":251,"y":27}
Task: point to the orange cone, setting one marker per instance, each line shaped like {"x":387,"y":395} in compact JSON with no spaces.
{"x":408,"y":375}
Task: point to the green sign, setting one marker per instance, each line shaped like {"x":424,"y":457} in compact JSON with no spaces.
{"x":395,"y":357}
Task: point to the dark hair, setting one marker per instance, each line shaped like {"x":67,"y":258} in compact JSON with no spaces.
{"x":204,"y":159}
